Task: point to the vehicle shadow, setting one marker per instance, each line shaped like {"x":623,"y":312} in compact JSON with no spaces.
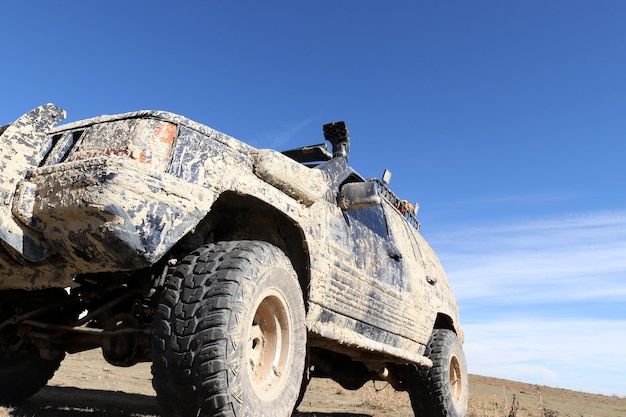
{"x":312,"y":414}
{"x":78,"y":402}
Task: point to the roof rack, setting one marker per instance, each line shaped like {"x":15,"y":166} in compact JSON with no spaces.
{"x":395,"y":201}
{"x":308,"y":154}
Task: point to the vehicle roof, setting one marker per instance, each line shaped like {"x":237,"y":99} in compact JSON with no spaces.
{"x":161,"y":115}
{"x":214,"y":134}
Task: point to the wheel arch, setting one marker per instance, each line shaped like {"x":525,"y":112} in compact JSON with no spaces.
{"x":235,"y":216}
{"x":444,"y":321}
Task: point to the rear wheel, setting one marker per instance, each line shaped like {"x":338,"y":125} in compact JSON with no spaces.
{"x":443,"y":390}
{"x":23,"y":371}
{"x":230,"y":338}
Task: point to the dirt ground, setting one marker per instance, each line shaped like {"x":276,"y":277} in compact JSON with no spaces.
{"x":86,"y":386}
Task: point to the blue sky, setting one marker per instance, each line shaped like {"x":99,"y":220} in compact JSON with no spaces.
{"x":504,"y":120}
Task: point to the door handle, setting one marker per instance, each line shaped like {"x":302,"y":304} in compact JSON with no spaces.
{"x":394,"y":253}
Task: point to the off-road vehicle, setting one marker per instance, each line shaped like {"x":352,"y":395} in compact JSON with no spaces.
{"x":240,"y":273}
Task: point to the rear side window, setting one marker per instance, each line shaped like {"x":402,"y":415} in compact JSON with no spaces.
{"x":60,"y":146}
{"x":148,"y":141}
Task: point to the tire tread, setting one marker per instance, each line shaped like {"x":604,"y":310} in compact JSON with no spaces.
{"x":195,"y":327}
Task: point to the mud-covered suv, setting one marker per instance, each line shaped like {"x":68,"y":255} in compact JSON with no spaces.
{"x":240,"y":273}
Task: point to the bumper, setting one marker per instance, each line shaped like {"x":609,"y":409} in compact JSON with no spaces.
{"x":110,"y":214}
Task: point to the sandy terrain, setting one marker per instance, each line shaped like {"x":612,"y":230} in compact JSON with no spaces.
{"x":86,"y":386}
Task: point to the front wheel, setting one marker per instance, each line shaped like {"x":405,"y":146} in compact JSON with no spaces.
{"x":230,"y":336}
{"x":443,"y":390}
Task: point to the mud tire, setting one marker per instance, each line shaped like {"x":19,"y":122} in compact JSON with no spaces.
{"x":443,"y":390}
{"x":230,"y":336}
{"x":25,"y":372}
{"x":22,"y":377}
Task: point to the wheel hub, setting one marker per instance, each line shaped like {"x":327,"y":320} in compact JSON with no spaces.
{"x":268,"y":344}
{"x":456,"y":379}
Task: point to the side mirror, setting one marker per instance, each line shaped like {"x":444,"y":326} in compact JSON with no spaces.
{"x":358,"y":195}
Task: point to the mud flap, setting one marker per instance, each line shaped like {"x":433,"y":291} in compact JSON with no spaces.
{"x":22,"y":150}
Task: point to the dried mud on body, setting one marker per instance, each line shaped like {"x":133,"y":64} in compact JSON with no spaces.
{"x":87,"y":386}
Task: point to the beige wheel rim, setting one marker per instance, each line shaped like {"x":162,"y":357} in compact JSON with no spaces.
{"x":268,"y":345}
{"x":456,"y":380}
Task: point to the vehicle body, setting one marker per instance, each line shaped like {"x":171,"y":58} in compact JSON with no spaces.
{"x":113,"y":209}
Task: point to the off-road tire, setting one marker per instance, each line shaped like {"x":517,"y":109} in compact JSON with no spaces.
{"x":306,"y":379}
{"x":229,"y":333}
{"x":24,"y":372}
{"x":23,"y":376}
{"x":443,"y":390}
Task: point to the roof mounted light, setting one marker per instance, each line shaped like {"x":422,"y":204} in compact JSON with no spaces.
{"x":386,"y":176}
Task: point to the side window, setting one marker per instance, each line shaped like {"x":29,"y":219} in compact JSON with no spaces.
{"x":372,"y":218}
{"x":60,"y":146}
{"x":187,"y":162}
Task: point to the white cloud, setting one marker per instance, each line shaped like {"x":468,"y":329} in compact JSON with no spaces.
{"x":568,"y":259}
{"x":542,"y":301}
{"x":582,"y":355}
{"x":279,"y":138}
